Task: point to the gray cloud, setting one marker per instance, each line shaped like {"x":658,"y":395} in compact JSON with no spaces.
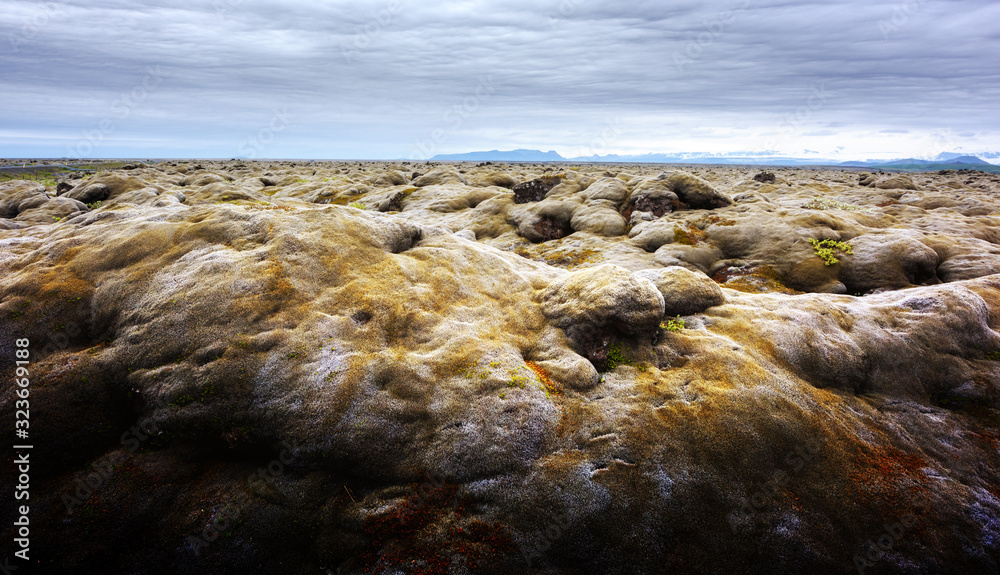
{"x":372,"y":79}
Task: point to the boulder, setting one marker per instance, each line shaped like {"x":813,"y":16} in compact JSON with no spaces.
{"x":390,"y":178}
{"x":597,"y":304}
{"x":89,"y":193}
{"x":51,"y":211}
{"x":888,"y":260}
{"x":600,"y":218}
{"x":684,"y":292}
{"x":543,"y":221}
{"x":19,"y":195}
{"x":498,"y":179}
{"x":896,"y":183}
{"x":609,"y":189}
{"x":439,"y":177}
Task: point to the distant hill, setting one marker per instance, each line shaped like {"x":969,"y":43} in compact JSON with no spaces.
{"x":952,"y":156}
{"x":968,"y":160}
{"x":766,"y":158}
{"x":499,"y":156}
{"x":955,"y":162}
{"x":906,"y":162}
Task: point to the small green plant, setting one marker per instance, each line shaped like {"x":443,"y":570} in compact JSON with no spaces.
{"x":616,"y":357}
{"x":993,"y":356}
{"x":675,"y":324}
{"x":207,"y":392}
{"x":357,"y":205}
{"x":516,"y":379}
{"x":824,"y":249}
{"x":181,"y":401}
{"x":94,"y":205}
{"x":56,"y":219}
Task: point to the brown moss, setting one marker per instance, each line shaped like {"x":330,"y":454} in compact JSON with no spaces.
{"x":689,"y":235}
{"x":410,"y":538}
{"x":556,"y":255}
{"x":268,"y":207}
{"x":714,"y":220}
{"x":754,"y":279}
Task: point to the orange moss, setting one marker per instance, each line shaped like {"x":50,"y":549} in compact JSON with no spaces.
{"x":543,"y":375}
{"x":893,"y":477}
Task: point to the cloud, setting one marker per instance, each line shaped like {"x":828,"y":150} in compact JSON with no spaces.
{"x":371,"y":79}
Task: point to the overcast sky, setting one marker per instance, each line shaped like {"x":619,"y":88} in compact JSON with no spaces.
{"x":400,"y":78}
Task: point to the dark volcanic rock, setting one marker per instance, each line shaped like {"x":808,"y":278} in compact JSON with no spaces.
{"x":535,"y":190}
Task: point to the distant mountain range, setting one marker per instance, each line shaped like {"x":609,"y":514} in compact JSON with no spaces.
{"x":971,"y":160}
{"x":498,"y":156}
{"x":946,"y":160}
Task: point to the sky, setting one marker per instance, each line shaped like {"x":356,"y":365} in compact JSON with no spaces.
{"x":390,"y":79}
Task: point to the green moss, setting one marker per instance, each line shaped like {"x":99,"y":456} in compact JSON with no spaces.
{"x":676,"y":324}
{"x":357,"y":205}
{"x":824,"y":249}
{"x":616,"y":357}
{"x":993,"y":356}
